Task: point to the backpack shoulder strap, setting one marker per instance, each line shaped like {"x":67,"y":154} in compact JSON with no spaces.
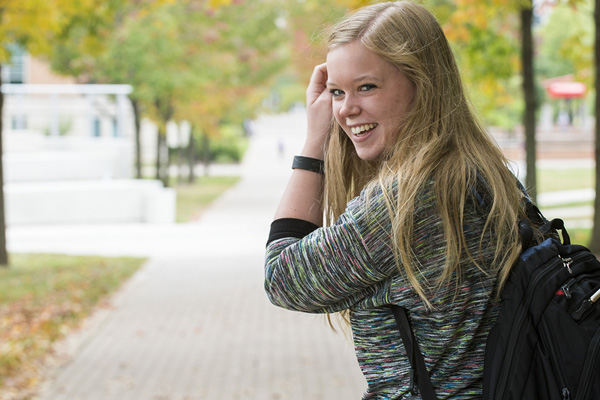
{"x":420,"y":382}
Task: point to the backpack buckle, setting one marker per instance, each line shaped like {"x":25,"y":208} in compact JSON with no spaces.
{"x":414,"y":385}
{"x":567,"y":261}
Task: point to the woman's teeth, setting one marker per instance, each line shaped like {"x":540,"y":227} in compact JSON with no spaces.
{"x":359,"y":130}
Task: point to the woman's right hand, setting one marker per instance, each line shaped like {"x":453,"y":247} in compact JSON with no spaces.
{"x":303,"y":195}
{"x":319,"y":113}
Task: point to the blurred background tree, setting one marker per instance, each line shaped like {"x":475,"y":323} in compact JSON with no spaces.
{"x":216,"y":64}
{"x":37,"y":26}
{"x":208,"y":64}
{"x":595,"y":241}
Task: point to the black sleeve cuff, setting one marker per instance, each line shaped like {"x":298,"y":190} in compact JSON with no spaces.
{"x":290,"y":227}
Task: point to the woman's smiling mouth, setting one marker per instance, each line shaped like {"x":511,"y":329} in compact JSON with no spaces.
{"x":361,"y":130}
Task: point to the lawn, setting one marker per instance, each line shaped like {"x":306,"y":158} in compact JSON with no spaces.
{"x":193,"y":199}
{"x":554,"y":179}
{"x":43,"y":297}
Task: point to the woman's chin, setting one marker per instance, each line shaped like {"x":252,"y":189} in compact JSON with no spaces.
{"x":368,"y":154}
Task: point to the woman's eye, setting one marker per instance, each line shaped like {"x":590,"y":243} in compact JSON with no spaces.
{"x":336,"y":92}
{"x":367,"y":87}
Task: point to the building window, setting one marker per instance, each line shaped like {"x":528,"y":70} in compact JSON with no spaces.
{"x":14,"y":71}
{"x":96,"y":127}
{"x":18,"y":122}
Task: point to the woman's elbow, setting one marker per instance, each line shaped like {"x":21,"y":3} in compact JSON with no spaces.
{"x":287,"y":299}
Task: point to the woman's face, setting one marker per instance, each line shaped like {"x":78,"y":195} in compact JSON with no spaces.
{"x":370,"y":96}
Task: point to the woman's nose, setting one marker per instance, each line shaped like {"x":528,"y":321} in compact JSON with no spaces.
{"x":349,"y":106}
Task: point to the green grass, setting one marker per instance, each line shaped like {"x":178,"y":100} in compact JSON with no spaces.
{"x":192,"y":200}
{"x":42,"y":297}
{"x":555,"y":179}
{"x":580,"y":235}
{"x":573,"y":203}
{"x":551,"y":180}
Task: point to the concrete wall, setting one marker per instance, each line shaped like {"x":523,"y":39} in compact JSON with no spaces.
{"x":69,"y":159}
{"x":31,"y":157}
{"x":78,"y":180}
{"x":89,"y":202}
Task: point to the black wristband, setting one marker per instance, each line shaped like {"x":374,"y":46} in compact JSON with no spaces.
{"x":309,"y":164}
{"x":290,"y":227}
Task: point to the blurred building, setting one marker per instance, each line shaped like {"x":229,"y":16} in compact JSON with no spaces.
{"x":73,"y":146}
{"x":39,"y":100}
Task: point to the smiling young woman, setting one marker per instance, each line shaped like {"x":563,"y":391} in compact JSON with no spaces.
{"x":418,"y":206}
{"x":370,"y":98}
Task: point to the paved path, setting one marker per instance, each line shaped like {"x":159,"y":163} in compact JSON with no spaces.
{"x":194,"y":323}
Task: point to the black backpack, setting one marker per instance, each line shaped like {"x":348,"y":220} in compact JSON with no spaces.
{"x":545,"y":344}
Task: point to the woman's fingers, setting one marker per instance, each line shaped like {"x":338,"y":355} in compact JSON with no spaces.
{"x":319,"y":111}
{"x":318,"y":84}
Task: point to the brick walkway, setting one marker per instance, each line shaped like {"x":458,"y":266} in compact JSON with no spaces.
{"x":195,"y":323}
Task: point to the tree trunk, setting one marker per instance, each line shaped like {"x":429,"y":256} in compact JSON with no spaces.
{"x":594,"y":244}
{"x":530,"y":101}
{"x":165,"y":110}
{"x":191,"y":156}
{"x":167,"y":161}
{"x":180,"y":156}
{"x":158,"y":154}
{"x":206,"y":153}
{"x":162,"y":158}
{"x":3,"y":250}
{"x":138,"y":141}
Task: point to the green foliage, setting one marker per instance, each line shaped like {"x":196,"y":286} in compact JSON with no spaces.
{"x":304,"y":23}
{"x":188,"y":60}
{"x":230,"y":146}
{"x":227,"y":147}
{"x":38,"y":25}
{"x":489,"y":54}
{"x":485,"y":40}
{"x":568,"y":49}
{"x":215,"y":63}
{"x":287,"y":92}
{"x":291,"y":95}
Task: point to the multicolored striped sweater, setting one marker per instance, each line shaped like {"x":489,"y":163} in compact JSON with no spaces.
{"x":350,"y":265}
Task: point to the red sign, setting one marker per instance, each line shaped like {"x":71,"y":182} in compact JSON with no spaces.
{"x":566,"y":90}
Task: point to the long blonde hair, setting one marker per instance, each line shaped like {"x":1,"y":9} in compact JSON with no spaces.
{"x":440,"y":140}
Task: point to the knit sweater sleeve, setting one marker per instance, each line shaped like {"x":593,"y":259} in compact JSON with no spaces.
{"x":332,"y":268}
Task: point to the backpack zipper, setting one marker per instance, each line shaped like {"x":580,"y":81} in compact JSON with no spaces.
{"x":589,"y":366}
{"x":587,"y":370}
{"x":586,"y":305}
{"x":566,"y":261}
{"x":566,"y":288}
{"x":548,"y":333}
{"x":516,"y":333}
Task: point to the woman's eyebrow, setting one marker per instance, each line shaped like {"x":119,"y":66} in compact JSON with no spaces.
{"x":367,"y":77}
{"x":361,"y":78}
